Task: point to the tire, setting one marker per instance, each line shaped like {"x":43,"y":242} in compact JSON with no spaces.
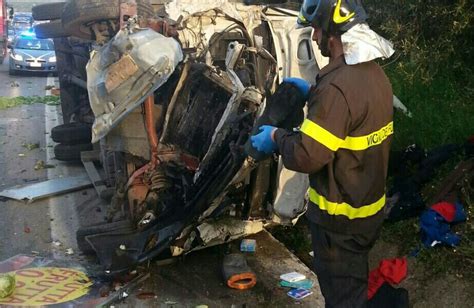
{"x":72,"y":133}
{"x":81,"y":233}
{"x":48,"y":11}
{"x":78,"y":13}
{"x":52,"y":29}
{"x":71,"y":152}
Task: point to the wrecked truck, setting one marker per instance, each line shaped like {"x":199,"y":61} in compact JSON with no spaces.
{"x":165,"y":96}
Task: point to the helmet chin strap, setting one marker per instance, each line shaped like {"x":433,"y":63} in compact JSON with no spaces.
{"x":325,"y":45}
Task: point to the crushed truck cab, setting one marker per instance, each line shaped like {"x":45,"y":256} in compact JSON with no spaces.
{"x":172,"y":99}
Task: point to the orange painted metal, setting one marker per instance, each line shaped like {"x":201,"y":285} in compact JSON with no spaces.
{"x":151,"y":130}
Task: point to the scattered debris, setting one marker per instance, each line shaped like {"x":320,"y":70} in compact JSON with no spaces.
{"x":27,"y":229}
{"x":55,"y":92}
{"x":31,"y":146}
{"x":411,"y":169}
{"x":57,"y":243}
{"x":48,"y":188}
{"x":49,"y":87}
{"x":14,"y":84}
{"x":434,"y":224}
{"x":399,"y":105}
{"x":7,"y":285}
{"x":40,"y":165}
{"x":125,"y":290}
{"x":299,"y":293}
{"x":292,"y":277}
{"x":248,"y":245}
{"x":21,"y":155}
{"x":302,"y":284}
{"x":237,"y":273}
{"x":389,"y":270}
{"x":69,"y":251}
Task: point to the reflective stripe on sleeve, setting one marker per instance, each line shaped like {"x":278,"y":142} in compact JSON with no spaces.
{"x":333,"y":208}
{"x":334,"y":143}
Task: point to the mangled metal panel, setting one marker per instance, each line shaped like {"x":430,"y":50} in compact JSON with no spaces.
{"x":122,"y":73}
{"x":33,"y":192}
{"x":211,"y":233}
{"x":186,"y":8}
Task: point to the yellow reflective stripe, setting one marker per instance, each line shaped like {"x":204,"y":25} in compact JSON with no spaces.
{"x":321,"y":135}
{"x":337,"y":18}
{"x":333,"y":142}
{"x":345,"y":209}
{"x":367,"y":141}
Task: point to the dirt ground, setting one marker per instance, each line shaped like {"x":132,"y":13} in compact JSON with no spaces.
{"x":430,"y":283}
{"x":426,"y":290}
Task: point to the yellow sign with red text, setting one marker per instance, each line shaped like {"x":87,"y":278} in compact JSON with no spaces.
{"x":47,"y":286}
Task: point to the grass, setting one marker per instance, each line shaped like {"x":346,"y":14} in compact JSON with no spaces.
{"x":442,"y":111}
{"x":9,"y":102}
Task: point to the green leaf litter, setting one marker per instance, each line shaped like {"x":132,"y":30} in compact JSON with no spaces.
{"x":9,"y":102}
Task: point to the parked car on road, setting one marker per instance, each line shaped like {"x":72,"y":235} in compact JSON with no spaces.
{"x":22,"y":21}
{"x":31,"y":54}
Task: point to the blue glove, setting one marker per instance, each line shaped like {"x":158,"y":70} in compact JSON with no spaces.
{"x":302,"y":85}
{"x":263,"y":141}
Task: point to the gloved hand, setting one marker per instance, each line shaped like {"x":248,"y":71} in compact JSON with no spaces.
{"x":302,"y":85}
{"x":263,"y":141}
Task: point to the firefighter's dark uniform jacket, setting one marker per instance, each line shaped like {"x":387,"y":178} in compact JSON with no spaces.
{"x":344,"y":146}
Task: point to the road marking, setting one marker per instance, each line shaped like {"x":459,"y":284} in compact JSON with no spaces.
{"x":62,"y":209}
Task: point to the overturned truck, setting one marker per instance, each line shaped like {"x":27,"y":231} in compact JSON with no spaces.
{"x":167,"y":95}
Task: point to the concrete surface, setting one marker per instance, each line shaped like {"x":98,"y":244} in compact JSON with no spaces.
{"x":197,"y":279}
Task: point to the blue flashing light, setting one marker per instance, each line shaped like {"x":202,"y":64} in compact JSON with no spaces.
{"x":29,"y":33}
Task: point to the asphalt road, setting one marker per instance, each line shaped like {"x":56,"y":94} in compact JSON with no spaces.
{"x":38,"y":227}
{"x":27,"y":228}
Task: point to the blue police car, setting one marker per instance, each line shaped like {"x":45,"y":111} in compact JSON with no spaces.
{"x":31,"y":54}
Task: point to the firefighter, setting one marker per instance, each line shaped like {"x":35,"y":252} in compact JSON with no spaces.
{"x":343,"y":145}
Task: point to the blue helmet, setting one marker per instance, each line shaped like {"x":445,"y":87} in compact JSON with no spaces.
{"x":332,"y":16}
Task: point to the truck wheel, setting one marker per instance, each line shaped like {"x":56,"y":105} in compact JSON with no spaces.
{"x":71,"y":152}
{"x":72,"y":133}
{"x":52,"y":29}
{"x":79,"y":14}
{"x":48,"y":11}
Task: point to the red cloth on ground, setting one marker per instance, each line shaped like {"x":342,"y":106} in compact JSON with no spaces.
{"x":445,"y":209}
{"x":390,"y":270}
